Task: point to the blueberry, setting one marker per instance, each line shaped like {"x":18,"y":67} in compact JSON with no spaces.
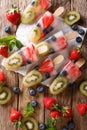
{"x":71,"y":125}
{"x":73,"y":85}
{"x":64,"y":128}
{"x":16,"y":90}
{"x":36,"y":67}
{"x":52,"y":51}
{"x":45,"y":31}
{"x":7,"y":29}
{"x":78,"y":39}
{"x":49,"y":29}
{"x":53,"y":38}
{"x":63,"y":73}
{"x":28,"y":61}
{"x":42,"y":126}
{"x":75,"y":27}
{"x":38,"y":25}
{"x":81,"y":31}
{"x":46,"y":76}
{"x":40,"y":89}
{"x":32,"y":92}
{"x":34,"y":103}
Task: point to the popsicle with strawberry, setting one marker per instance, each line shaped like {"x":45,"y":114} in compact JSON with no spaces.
{"x":70,"y":72}
{"x":31,"y":53}
{"x":34,"y":10}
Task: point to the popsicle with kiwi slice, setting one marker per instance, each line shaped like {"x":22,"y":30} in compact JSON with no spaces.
{"x":5,"y":95}
{"x":83,"y":88}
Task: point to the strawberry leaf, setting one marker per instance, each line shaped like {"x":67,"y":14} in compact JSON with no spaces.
{"x":29,"y":110}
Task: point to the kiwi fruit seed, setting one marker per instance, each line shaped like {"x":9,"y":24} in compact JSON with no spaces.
{"x":28,"y":15}
{"x":83,"y":88}
{"x":35,"y":35}
{"x":29,"y":123}
{"x":71,"y":17}
{"x":43,"y":49}
{"x":58,"y":85}
{"x":32,"y":78}
{"x":5,"y":95}
{"x":13,"y":62}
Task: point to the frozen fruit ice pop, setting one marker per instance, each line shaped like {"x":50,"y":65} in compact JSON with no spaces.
{"x":30,"y":54}
{"x":49,"y":67}
{"x":34,"y":10}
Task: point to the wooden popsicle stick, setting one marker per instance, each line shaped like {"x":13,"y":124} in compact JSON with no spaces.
{"x":71,"y":35}
{"x":59,"y":12}
{"x":80,"y":62}
{"x":58,"y":60}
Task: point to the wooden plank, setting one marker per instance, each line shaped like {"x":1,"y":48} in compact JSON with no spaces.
{"x":81,"y":122}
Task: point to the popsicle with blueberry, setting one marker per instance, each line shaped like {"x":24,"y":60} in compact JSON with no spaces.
{"x":48,"y":68}
{"x":69,"y":74}
{"x":31,"y":53}
{"x":34,"y":10}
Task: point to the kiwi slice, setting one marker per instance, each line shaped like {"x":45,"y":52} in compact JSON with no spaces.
{"x":33,"y":78}
{"x":35,"y":35}
{"x":13,"y":62}
{"x":28,"y":15}
{"x":43,"y":48}
{"x":83,"y":88}
{"x":29,"y":123}
{"x":5,"y":95}
{"x":71,"y":17}
{"x":58,"y":85}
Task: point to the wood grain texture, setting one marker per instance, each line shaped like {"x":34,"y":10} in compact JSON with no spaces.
{"x":69,"y":96}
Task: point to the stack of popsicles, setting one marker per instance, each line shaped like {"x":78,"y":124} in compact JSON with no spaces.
{"x":48,"y":41}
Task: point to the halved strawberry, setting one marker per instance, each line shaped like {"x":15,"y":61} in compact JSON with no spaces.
{"x":4,"y":50}
{"x":47,"y":20}
{"x":46,"y":66}
{"x":44,"y":4}
{"x":61,"y":42}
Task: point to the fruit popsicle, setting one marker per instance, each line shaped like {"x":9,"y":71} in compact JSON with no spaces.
{"x":69,"y":74}
{"x":34,"y":10}
{"x":30,"y":54}
{"x":48,"y":68}
{"x":46,"y":24}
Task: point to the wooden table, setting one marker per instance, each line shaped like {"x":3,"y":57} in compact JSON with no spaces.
{"x":70,"y":96}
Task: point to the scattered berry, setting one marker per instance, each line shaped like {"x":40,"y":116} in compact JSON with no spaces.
{"x":16,"y":90}
{"x":75,"y":27}
{"x":82,"y":108}
{"x":40,"y":89}
{"x":78,"y":39}
{"x":81,"y":31}
{"x":34,"y":103}
{"x":71,"y":125}
{"x":7,"y":29}
{"x":32,"y":92}
{"x":42,"y":126}
{"x":73,"y":85}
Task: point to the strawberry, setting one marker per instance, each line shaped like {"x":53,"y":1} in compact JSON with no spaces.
{"x":49,"y":102}
{"x":13,"y":15}
{"x":47,"y":20}
{"x":82,"y":108}
{"x":67,"y":112}
{"x":55,"y":114}
{"x":46,"y":66}
{"x":2,"y":77}
{"x":4,"y":50}
{"x":61,"y":42}
{"x":74,"y":54}
{"x":44,"y":4}
{"x":15,"y":115}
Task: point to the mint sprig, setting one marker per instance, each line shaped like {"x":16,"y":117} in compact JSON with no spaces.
{"x":11,"y":41}
{"x":50,"y":124}
{"x":29,"y":110}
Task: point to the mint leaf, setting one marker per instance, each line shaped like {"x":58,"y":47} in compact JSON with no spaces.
{"x":18,"y":44}
{"x":6,"y":39}
{"x":29,"y":110}
{"x":50,"y":124}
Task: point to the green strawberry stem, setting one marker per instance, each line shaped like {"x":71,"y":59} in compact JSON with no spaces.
{"x":18,"y":123}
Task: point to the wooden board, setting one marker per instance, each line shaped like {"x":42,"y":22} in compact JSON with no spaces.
{"x":70,"y":97}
